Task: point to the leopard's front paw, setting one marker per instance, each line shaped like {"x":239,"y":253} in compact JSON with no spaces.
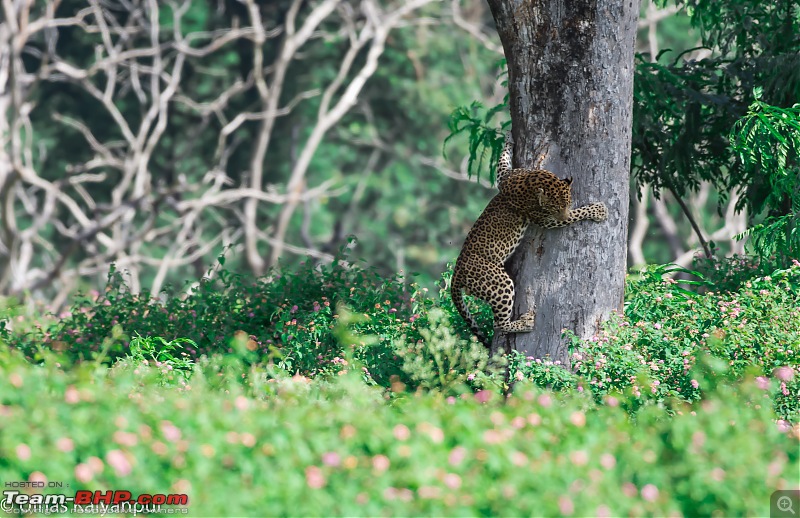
{"x":598,"y":212}
{"x":529,"y":318}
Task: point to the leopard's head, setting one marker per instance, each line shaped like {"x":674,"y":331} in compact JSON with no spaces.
{"x":557,"y":199}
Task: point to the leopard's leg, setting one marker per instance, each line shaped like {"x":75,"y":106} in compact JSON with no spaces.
{"x":593,"y":211}
{"x":495,"y":287}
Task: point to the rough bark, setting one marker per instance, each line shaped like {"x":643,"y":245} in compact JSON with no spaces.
{"x":570,"y":65}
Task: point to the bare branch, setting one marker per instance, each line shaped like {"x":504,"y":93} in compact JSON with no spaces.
{"x":377,"y":29}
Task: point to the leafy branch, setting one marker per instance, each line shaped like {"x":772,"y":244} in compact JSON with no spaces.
{"x":767,"y":142}
{"x":485,"y":137}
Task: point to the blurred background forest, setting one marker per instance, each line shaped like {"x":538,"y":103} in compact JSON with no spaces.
{"x":156,"y":135}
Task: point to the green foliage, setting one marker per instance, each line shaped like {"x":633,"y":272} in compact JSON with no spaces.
{"x":729,"y":274}
{"x":348,"y":451}
{"x":483,"y":138}
{"x":767,"y":141}
{"x":441,"y":360}
{"x":322,"y":322}
{"x":685,"y":109}
{"x":746,"y":28}
{"x":402,"y":415}
{"x":680,"y":120}
{"x":286,"y":317}
{"x":652,"y":351}
{"x":161,"y":353}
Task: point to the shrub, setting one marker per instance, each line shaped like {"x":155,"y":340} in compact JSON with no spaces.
{"x":651,"y":349}
{"x":295,"y":446}
{"x":402,"y":334}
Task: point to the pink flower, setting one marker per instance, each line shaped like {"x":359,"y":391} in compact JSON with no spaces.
{"x":694,"y":383}
{"x":762,"y":382}
{"x":380,"y":462}
{"x":95,"y":464}
{"x":436,"y":434}
{"x":657,"y":325}
{"x":650,"y":492}
{"x":71,"y":395}
{"x":125,"y":438}
{"x":83,"y":473}
{"x":241,"y":403}
{"x":483,"y":396}
{"x":37,"y":476}
{"x":784,"y":373}
{"x":403,"y":494}
{"x":565,"y":505}
{"x":119,"y":462}
{"x":330,"y":458}
{"x":578,"y":419}
{"x":23,"y":451}
{"x":401,"y":432}
{"x":579,"y":458}
{"x":248,"y":439}
{"x":314,"y":477}
{"x":65,"y":444}
{"x":452,"y":481}
{"x":608,"y":461}
{"x":428,"y":492}
{"x":457,"y":455}
{"x":170,"y":431}
{"x":629,"y":490}
{"x":518,"y":458}
{"x":181,"y":486}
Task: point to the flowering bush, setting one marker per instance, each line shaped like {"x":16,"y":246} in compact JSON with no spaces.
{"x":296,"y":446}
{"x":404,"y":335}
{"x":287,"y":319}
{"x":652,"y":349}
{"x":245,"y":394}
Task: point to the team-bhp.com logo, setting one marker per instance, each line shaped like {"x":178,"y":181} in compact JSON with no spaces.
{"x":113,"y":502}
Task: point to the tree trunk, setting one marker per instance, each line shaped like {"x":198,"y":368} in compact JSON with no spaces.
{"x":570,"y":79}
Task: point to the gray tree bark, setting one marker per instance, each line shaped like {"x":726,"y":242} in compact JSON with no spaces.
{"x":570,"y":79}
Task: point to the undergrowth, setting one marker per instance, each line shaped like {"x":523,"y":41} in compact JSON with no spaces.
{"x":400,"y":334}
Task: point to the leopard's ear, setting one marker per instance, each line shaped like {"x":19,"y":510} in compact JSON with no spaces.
{"x":567,"y":180}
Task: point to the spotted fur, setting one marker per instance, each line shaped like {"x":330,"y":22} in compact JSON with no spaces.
{"x":526,"y":196}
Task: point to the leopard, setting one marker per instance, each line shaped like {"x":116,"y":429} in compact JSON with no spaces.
{"x":525,"y":197}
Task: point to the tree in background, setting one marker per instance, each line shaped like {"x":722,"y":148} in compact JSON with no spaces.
{"x":570,"y":80}
{"x":153,"y":134}
{"x":685,"y":110}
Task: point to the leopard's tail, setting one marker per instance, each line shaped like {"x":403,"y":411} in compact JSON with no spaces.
{"x":456,"y":292}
